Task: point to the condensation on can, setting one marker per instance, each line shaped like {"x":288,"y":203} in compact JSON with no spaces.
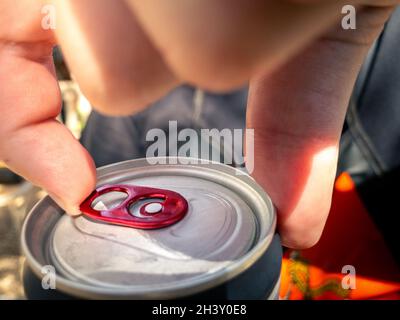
{"x":229,"y":225}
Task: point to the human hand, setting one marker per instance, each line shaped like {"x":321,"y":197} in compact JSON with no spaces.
{"x":126,"y":54}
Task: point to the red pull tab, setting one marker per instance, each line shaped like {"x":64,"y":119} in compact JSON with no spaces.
{"x":154,"y":215}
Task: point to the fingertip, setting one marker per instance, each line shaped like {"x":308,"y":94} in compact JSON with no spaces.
{"x":73,"y":211}
{"x":302,"y":242}
{"x":302,"y":230}
{"x":70,"y":209}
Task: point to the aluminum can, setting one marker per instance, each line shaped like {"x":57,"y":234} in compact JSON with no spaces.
{"x":224,"y":247}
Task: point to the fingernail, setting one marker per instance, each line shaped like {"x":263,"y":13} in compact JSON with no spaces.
{"x":70,"y":210}
{"x":73,"y":211}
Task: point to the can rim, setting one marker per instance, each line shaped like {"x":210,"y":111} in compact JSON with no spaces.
{"x":165,"y":291}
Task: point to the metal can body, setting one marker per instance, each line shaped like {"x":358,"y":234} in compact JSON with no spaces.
{"x":225,"y":247}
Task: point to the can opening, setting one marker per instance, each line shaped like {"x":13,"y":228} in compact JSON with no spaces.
{"x":109,"y":200}
{"x":150,"y":206}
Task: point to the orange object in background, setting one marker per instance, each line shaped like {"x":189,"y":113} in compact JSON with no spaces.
{"x":350,"y":238}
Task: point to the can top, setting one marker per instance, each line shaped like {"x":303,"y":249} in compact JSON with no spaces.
{"x":228,"y":217}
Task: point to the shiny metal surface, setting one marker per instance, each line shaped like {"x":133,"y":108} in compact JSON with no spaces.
{"x":229,"y":225}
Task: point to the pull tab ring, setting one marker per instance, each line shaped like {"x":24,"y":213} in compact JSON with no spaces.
{"x":153,"y":215}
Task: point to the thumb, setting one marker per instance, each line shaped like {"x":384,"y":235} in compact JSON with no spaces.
{"x":297,"y":114}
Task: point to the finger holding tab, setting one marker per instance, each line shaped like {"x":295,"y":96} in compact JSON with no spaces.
{"x":32,"y":142}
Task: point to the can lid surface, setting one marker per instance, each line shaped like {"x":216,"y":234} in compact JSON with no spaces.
{"x":226,"y":220}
